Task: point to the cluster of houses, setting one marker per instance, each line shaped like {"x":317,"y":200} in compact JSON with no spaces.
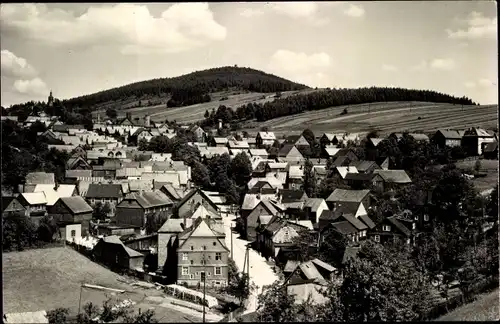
{"x":134,"y":187}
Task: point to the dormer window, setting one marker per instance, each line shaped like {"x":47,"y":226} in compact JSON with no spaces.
{"x":386,"y":228}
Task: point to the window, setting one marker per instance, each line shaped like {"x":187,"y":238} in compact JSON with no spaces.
{"x":426,"y":218}
{"x":191,"y":261}
{"x":217,"y":283}
{"x":197,"y":273}
{"x":191,"y":276}
{"x":215,"y":244}
{"x":184,"y":256}
{"x":204,"y":247}
{"x":218,"y":271}
{"x":209,"y":274}
{"x":185,"y":271}
{"x":73,"y":233}
{"x":218,"y":256}
{"x":192,"y":248}
{"x":414,"y":226}
{"x":203,"y":262}
{"x":386,"y":228}
{"x":210,"y":257}
{"x":377,"y":238}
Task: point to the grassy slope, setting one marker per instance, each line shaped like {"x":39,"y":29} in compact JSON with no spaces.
{"x":485,"y":308}
{"x":490,"y":167}
{"x":387,"y":117}
{"x":45,"y":279}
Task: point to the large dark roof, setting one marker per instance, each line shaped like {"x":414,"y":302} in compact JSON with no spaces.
{"x":285,"y":150}
{"x":104,"y":191}
{"x":289,"y":195}
{"x":399,"y":225}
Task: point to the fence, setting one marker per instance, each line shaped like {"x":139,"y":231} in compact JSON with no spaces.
{"x":457,"y":301}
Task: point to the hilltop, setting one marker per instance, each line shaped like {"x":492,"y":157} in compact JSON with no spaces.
{"x":184,"y":90}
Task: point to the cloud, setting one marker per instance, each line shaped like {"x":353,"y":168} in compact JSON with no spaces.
{"x":182,"y":27}
{"x":478,"y":27}
{"x":312,"y":10}
{"x":443,"y":64}
{"x":390,"y":68}
{"x":249,"y":13}
{"x":289,"y":61}
{"x":17,"y":67}
{"x":355,"y":11}
{"x":20,"y":78}
{"x":470,"y":84}
{"x":420,"y":66}
{"x":36,"y":87}
{"x":304,"y":68}
{"x":481,"y":83}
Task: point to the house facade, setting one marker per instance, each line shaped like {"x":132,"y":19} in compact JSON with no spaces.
{"x":202,"y":251}
{"x":69,"y":211}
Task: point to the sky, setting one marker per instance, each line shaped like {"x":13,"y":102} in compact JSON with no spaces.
{"x":75,"y":49}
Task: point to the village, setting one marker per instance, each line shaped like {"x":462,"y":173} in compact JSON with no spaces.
{"x":139,"y":212}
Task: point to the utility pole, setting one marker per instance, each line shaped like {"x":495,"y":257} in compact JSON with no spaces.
{"x":231,"y":233}
{"x":204,"y":279}
{"x":248,"y":265}
{"x":80,"y":300}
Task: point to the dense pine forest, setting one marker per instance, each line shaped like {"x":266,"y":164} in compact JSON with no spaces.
{"x":192,"y":88}
{"x":325,"y":99}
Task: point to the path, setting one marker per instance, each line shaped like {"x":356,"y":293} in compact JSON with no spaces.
{"x":261,"y":273}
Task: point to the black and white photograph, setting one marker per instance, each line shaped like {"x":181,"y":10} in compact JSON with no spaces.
{"x":301,"y":161}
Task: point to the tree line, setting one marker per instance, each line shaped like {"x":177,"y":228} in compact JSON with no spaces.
{"x":199,"y":84}
{"x":323,"y":99}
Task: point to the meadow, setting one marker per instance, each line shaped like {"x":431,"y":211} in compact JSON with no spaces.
{"x":485,"y":308}
{"x":45,"y":279}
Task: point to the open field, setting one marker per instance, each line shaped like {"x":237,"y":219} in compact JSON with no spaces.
{"x":45,"y":279}
{"x":490,"y":167}
{"x":194,"y":113}
{"x":386,"y":117}
{"x":485,"y":308}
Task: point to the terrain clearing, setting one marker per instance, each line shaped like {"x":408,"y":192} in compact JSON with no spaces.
{"x":490,"y":167}
{"x":387,"y":117}
{"x":485,"y":308}
{"x":196,"y":112}
{"x":45,"y":279}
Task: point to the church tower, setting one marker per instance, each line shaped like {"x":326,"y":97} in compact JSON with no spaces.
{"x":50,"y":101}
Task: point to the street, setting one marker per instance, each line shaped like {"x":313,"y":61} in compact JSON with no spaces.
{"x":261,"y":273}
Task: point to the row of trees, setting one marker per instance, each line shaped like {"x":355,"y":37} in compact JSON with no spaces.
{"x":24,"y":151}
{"x":20,"y":232}
{"x":107,"y":313}
{"x":201,"y":82}
{"x":330,"y":98}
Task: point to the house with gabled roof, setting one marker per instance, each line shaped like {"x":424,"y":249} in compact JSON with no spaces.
{"x":363,"y":166}
{"x":344,"y":223}
{"x":328,"y":139}
{"x":191,"y":200}
{"x":111,"y":194}
{"x":72,"y":215}
{"x":34,"y":178}
{"x":392,"y":179}
{"x":259,"y":152}
{"x":265,"y":138}
{"x":388,"y":229}
{"x":298,"y":141}
{"x":475,"y":139}
{"x":339,"y":196}
{"x":259,"y":216}
{"x":313,"y":207}
{"x":11,"y":205}
{"x":447,"y":137}
{"x":35,"y":204}
{"x":134,"y":209}
{"x":111,"y":251}
{"x":201,"y":250}
{"x":278,"y":233}
{"x":289,"y":151}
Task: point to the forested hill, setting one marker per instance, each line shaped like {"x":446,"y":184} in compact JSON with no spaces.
{"x":191,"y":88}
